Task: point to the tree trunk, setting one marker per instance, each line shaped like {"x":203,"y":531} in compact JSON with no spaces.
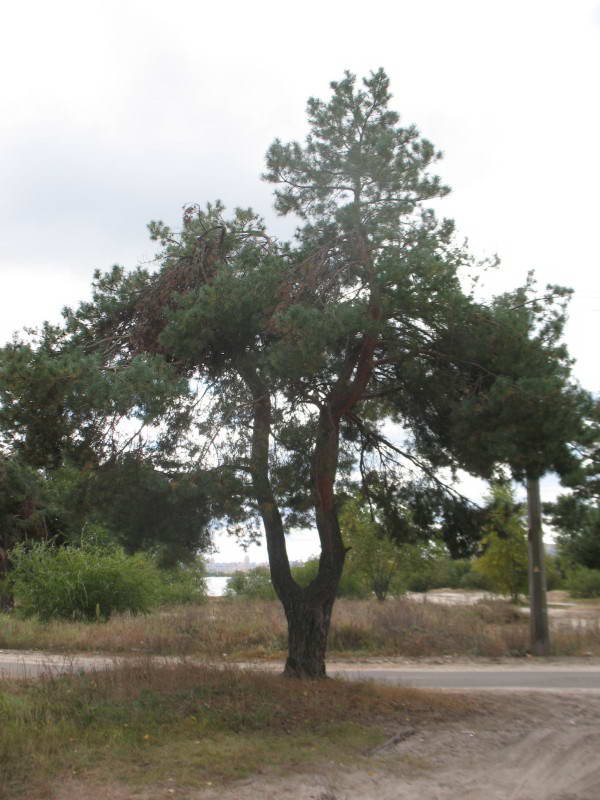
{"x":308,"y":628}
{"x":308,"y":610}
{"x":6,"y":597}
{"x":538,"y":619}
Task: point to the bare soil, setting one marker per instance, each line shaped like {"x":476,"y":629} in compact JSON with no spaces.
{"x":522,"y":747}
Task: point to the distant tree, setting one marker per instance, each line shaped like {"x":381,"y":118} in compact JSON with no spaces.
{"x":577,"y":523}
{"x":511,"y":401}
{"x":504,"y":562}
{"x":583,"y":582}
{"x":576,"y":516}
{"x":373,"y":555}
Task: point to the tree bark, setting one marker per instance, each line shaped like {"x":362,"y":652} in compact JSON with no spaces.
{"x":6,"y":598}
{"x":308,"y":628}
{"x":308,"y":610}
{"x":538,"y":618}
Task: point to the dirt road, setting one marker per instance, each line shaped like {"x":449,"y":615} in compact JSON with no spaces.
{"x":561,"y":675}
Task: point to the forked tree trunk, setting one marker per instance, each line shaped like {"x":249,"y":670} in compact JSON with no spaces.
{"x":308,"y":610}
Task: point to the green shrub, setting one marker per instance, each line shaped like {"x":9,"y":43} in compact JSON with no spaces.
{"x":306,"y":572}
{"x":554,"y":578}
{"x":584,"y":582}
{"x":475,"y":580}
{"x":419,"y":582}
{"x":454,"y":571}
{"x":82,"y":583}
{"x":183,"y":585}
{"x":255,"y":583}
{"x":352,"y":584}
{"x":436,"y":572}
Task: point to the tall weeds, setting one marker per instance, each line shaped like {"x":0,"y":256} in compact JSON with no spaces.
{"x":256,"y":629}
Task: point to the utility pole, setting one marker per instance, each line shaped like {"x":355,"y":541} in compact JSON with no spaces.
{"x":538,"y":616}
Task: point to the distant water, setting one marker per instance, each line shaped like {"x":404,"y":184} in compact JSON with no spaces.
{"x":216,"y":586}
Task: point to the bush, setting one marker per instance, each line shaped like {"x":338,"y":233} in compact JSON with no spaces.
{"x":255,"y":583}
{"x":475,"y":580}
{"x":351,"y":584}
{"x":584,"y":582}
{"x":554,"y":578}
{"x":438,"y":572}
{"x":183,"y":584}
{"x":82,"y":583}
{"x":420,"y":582}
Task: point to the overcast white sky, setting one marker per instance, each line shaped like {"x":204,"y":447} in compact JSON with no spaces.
{"x":115,"y":113}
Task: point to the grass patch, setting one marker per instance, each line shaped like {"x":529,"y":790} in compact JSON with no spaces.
{"x":146,"y":723}
{"x":257,"y":629}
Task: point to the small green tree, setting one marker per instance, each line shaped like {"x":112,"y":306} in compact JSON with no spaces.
{"x":504,"y":562}
{"x":373,"y":556}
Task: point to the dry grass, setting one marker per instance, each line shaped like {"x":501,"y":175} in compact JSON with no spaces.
{"x":146,"y":723}
{"x":241,"y":629}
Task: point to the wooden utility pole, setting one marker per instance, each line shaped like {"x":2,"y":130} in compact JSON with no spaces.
{"x":538,"y":619}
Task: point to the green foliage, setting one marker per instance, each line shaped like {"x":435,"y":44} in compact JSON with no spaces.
{"x":474,"y":580}
{"x":85,"y":583}
{"x":23,"y":514}
{"x":504,"y":562}
{"x":136,"y":505}
{"x":352,"y":583}
{"x":584,"y":582}
{"x":584,"y":479}
{"x":255,"y":583}
{"x":183,"y":584}
{"x":373,"y":556}
{"x":22,"y":502}
{"x":510,"y":398}
{"x":58,"y":400}
{"x":577,"y":522}
{"x":436,"y":570}
{"x":418,"y":564}
{"x":167,"y":512}
{"x":554,"y":573}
